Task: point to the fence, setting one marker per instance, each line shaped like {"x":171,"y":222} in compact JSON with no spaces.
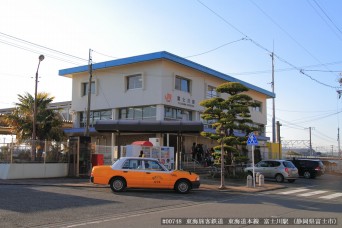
{"x":34,"y":152}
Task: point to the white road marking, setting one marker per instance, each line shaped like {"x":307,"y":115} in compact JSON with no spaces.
{"x":312,"y":193}
{"x":294,"y":191}
{"x":331,"y":196}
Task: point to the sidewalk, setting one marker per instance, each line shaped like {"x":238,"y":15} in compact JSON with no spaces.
{"x":207,"y":183}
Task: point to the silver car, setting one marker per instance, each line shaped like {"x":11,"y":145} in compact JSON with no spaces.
{"x":279,"y":170}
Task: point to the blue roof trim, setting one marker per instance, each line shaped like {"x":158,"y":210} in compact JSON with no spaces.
{"x":168,"y":56}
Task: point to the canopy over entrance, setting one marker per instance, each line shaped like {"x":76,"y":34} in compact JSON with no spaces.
{"x":142,"y":143}
{"x":148,"y":126}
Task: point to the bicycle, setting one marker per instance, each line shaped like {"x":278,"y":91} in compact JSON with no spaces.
{"x":215,"y":170}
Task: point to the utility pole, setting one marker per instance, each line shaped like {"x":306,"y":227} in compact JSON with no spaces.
{"x":273,"y":105}
{"x":310,"y":152}
{"x":90,"y":64}
{"x":338,"y":143}
{"x":332,"y":150}
{"x":279,"y":139}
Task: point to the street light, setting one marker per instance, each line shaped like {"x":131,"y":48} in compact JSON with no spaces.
{"x":34,"y":133}
{"x":222,"y":133}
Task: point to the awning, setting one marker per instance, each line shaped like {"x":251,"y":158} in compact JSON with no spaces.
{"x":142,"y":143}
{"x":148,"y":126}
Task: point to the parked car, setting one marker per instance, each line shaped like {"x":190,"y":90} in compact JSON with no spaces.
{"x":133,"y":172}
{"x":309,"y":168}
{"x":279,"y":170}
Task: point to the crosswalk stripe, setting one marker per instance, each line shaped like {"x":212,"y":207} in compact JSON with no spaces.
{"x":312,"y":193}
{"x":331,"y":196}
{"x":294,"y":191}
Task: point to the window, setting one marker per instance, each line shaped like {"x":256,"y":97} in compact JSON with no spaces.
{"x":134,"y":81}
{"x":138,"y":113}
{"x":209,"y":123}
{"x":259,"y":108}
{"x":94,"y":116}
{"x":182,"y":84}
{"x":177,"y":114}
{"x":85,"y":88}
{"x":131,"y":164}
{"x":211,"y":92}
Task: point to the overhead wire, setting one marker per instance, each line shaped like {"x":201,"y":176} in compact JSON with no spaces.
{"x":40,"y":46}
{"x":285,"y":69}
{"x":265,"y":49}
{"x":287,"y":33}
{"x":316,"y":11}
{"x":333,"y":23}
{"x":104,"y":54}
{"x":223,"y":45}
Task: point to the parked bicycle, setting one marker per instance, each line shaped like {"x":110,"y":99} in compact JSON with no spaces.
{"x":215,"y":170}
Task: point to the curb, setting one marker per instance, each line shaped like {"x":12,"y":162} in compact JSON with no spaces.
{"x":206,"y":184}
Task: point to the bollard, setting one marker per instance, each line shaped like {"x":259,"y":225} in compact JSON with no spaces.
{"x":261,"y":180}
{"x":257,"y":177}
{"x":249,"y":181}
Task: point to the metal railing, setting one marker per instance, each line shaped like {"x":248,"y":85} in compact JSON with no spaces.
{"x":34,"y":152}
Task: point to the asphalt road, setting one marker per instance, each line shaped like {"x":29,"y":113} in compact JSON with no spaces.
{"x":70,"y":206}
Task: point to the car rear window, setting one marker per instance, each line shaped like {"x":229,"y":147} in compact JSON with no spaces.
{"x":289,"y":164}
{"x":320,"y":164}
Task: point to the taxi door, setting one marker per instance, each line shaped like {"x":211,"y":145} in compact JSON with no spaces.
{"x":133,"y":173}
{"x":155,"y":176}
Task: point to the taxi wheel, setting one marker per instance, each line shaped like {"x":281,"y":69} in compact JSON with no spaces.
{"x":182,"y":186}
{"x":117,"y":184}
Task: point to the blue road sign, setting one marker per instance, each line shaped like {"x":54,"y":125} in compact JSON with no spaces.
{"x":252,"y":140}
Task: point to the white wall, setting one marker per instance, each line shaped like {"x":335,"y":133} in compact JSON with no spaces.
{"x":159,"y":80}
{"x":23,"y":171}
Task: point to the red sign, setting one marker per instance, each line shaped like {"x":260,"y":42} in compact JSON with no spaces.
{"x":168,"y":97}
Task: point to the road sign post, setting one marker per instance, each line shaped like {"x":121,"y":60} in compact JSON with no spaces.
{"x":252,"y":141}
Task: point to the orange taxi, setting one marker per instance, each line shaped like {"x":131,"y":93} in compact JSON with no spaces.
{"x":133,"y":172}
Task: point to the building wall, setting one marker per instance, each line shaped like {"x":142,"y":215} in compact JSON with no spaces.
{"x":111,"y":87}
{"x":158,"y":89}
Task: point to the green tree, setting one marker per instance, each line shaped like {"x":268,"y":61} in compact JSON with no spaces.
{"x":49,"y":122}
{"x":228,"y":115}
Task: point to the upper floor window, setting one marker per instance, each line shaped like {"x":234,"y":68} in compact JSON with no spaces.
{"x":85,"y":88}
{"x":259,"y":108}
{"x":134,"y":81}
{"x":182,"y":84}
{"x":211,"y":92}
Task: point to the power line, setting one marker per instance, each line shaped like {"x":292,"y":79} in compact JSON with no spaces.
{"x":329,"y":71}
{"x":268,"y":51}
{"x":288,"y":34}
{"x":284,"y":69}
{"x":327,"y":16}
{"x":284,"y":110}
{"x":316,"y":11}
{"x":37,"y":45}
{"x":105,"y":54}
{"x":215,"y":48}
{"x":37,"y":52}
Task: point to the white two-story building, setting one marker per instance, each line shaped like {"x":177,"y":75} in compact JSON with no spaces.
{"x":152,"y":87}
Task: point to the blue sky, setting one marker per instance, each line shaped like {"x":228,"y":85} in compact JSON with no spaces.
{"x":233,"y":37}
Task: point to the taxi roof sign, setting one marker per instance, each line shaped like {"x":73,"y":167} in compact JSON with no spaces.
{"x":252,"y":140}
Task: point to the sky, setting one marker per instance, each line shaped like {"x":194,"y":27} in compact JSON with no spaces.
{"x":230,"y":36}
